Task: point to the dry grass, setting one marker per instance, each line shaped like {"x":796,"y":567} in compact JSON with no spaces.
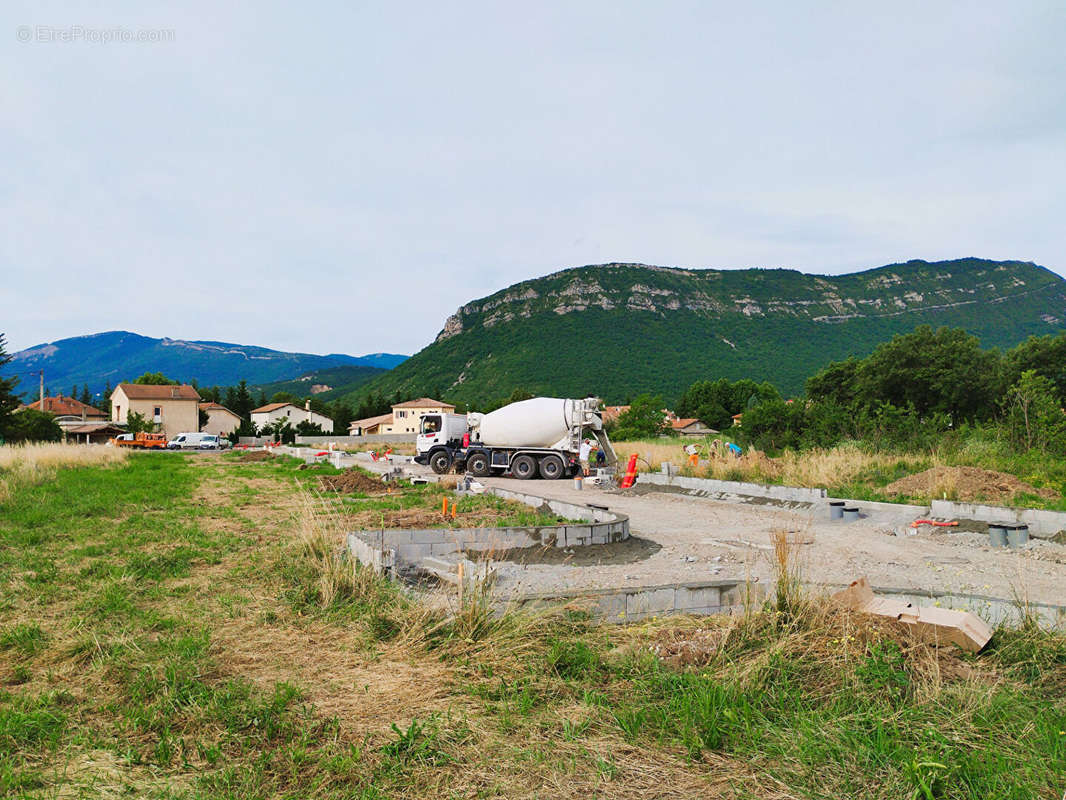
{"x":811,"y":468}
{"x":28,"y":464}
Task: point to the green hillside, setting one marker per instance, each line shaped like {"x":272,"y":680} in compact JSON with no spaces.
{"x":617,"y":330}
{"x":342,"y":380}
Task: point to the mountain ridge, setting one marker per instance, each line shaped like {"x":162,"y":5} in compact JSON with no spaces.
{"x":619,"y":329}
{"x":97,"y":359}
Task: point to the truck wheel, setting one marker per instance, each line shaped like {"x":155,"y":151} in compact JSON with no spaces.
{"x":524,"y":467}
{"x":552,"y":468}
{"x":477,"y":464}
{"x":440,"y":462}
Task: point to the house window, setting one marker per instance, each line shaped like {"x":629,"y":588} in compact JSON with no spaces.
{"x":158,"y":411}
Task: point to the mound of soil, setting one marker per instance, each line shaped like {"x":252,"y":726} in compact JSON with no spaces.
{"x":257,"y":455}
{"x":965,"y":484}
{"x":351,"y":480}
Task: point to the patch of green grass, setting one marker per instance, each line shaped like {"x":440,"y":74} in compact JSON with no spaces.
{"x":28,"y":638}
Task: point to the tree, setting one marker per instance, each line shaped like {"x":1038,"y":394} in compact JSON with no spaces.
{"x":138,"y":423}
{"x":8,"y":401}
{"x":644,"y":419}
{"x":942,"y":371}
{"x":715,"y":402}
{"x":837,"y":383}
{"x":281,"y":430}
{"x":202,"y":418}
{"x":31,"y":425}
{"x":342,"y":415}
{"x":1045,"y":356}
{"x":154,"y":379}
{"x":774,"y":425}
{"x":285,"y":397}
{"x":1034,"y":419}
{"x":105,"y":402}
{"x":307,"y":428}
{"x":86,"y":397}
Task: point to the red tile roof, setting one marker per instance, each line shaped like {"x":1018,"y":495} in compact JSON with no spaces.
{"x":67,"y":407}
{"x":170,"y":391}
{"x":677,"y":424}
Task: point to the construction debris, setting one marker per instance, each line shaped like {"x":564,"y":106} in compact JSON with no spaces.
{"x":961,"y":628}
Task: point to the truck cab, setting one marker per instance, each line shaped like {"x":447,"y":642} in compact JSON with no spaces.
{"x":440,"y":432}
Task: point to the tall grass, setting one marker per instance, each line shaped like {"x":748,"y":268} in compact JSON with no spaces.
{"x":29,"y":464}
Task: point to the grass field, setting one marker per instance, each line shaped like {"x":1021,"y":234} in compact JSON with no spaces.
{"x":167,"y":631}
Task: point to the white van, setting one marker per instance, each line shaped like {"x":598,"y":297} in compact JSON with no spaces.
{"x":193,"y":441}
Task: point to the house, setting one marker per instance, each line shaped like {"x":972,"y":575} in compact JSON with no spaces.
{"x":80,"y":423}
{"x":220,"y":420}
{"x":98,"y":432}
{"x":67,"y":408}
{"x":612,"y":413}
{"x":265,"y":416}
{"x":173,"y":408}
{"x":737,"y":418}
{"x":369,"y":426}
{"x":405,"y":417}
{"x":691,"y":427}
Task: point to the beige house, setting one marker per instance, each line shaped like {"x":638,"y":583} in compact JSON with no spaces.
{"x":265,"y":416}
{"x":370,"y":425}
{"x":172,"y":408}
{"x":220,"y":420}
{"x":405,"y":417}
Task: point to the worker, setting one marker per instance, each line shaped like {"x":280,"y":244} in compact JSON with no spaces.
{"x":734,"y":449}
{"x":693,"y":453}
{"x":601,"y":458}
{"x":583,"y":456}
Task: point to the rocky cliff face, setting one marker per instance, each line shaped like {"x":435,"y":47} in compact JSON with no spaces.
{"x":891,"y":291}
{"x":617,"y":330}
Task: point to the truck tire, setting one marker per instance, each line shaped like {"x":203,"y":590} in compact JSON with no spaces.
{"x":440,"y":462}
{"x":552,"y":468}
{"x":524,"y":467}
{"x":477,"y":464}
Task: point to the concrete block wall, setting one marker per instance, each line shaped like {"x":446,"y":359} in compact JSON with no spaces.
{"x":629,"y":604}
{"x":793,"y":494}
{"x":410,"y":546}
{"x":358,"y":441}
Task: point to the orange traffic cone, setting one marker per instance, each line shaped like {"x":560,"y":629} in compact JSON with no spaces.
{"x":631,"y":472}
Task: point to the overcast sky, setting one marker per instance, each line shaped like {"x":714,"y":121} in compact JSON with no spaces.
{"x":339,"y":177}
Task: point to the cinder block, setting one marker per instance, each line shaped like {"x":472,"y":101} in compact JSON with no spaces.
{"x":611,"y":607}
{"x":651,"y":601}
{"x":686,"y":599}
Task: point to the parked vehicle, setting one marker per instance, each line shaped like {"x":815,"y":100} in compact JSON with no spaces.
{"x":193,"y":441}
{"x":541,"y":436}
{"x":140,"y":441}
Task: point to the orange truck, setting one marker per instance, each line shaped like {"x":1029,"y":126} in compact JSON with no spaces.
{"x":141,"y":441}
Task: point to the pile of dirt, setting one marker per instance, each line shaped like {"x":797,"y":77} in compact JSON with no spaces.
{"x":257,"y":455}
{"x":351,"y":480}
{"x":965,"y":484}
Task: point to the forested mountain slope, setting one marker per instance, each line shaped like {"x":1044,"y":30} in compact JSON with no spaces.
{"x":617,"y":330}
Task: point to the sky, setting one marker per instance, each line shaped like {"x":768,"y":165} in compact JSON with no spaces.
{"x":340,"y":177}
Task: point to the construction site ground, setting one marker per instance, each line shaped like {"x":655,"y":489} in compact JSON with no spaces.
{"x":682,"y":538}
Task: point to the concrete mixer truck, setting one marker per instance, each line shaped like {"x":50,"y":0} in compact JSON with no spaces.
{"x":534,"y":437}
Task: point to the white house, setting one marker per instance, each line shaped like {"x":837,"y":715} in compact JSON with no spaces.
{"x":268,"y":414}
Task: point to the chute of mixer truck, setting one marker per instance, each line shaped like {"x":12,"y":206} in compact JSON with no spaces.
{"x":541,"y":436}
